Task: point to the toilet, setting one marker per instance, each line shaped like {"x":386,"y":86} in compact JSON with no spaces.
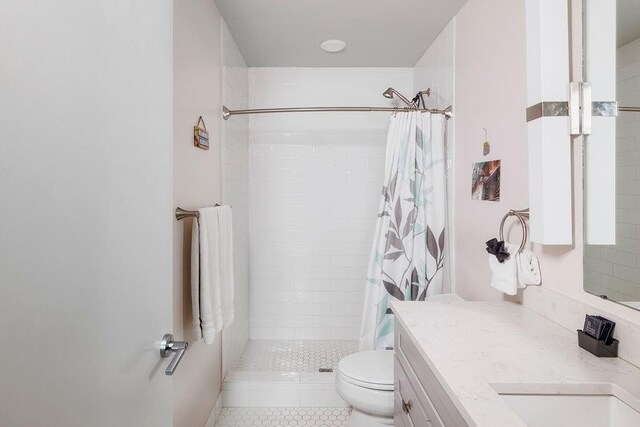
{"x":365,"y":381}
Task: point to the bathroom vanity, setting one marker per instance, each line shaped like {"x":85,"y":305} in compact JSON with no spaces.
{"x":502,"y":364}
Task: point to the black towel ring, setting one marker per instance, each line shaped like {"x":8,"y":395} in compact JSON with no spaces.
{"x":522,"y":215}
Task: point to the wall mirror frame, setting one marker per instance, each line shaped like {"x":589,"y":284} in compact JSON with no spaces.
{"x":610,"y":109}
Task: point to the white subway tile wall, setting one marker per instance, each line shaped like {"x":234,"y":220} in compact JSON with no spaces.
{"x":314,"y":186}
{"x":435,"y":71}
{"x":235,"y":192}
{"x":615,"y":270}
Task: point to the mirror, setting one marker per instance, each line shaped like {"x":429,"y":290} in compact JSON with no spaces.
{"x":613,"y":271}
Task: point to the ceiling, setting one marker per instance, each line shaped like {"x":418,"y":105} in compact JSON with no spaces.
{"x":628,"y":21}
{"x":379,"y":33}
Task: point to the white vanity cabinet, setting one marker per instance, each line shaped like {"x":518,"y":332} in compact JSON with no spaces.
{"x":420,"y":399}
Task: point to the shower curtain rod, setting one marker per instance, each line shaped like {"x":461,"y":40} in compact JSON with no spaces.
{"x":226,"y":113}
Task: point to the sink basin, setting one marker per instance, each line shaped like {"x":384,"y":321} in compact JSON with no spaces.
{"x":591,"y":406}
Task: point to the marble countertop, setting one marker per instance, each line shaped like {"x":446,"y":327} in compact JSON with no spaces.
{"x":476,"y":348}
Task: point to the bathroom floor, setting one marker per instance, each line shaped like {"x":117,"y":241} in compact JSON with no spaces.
{"x":294,"y":355}
{"x":276,"y":417}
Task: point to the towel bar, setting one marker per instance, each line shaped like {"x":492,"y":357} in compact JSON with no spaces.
{"x":182,"y":213}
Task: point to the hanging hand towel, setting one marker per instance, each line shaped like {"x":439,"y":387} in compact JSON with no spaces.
{"x":504,"y":275}
{"x":227,"y":284}
{"x":212,"y":284}
{"x":195,"y":279}
{"x":210,"y":307}
{"x":528,"y":269}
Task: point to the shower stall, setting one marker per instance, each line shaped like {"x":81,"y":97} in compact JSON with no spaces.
{"x":307,"y":189}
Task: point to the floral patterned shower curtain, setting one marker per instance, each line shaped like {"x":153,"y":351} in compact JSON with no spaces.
{"x":410,"y":246}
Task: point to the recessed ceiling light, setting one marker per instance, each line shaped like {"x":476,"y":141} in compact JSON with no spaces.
{"x":333,"y":46}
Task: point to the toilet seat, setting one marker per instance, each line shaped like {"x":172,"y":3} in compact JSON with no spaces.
{"x":368,"y":369}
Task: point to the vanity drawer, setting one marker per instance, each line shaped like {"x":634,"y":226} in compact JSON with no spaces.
{"x":427,"y":387}
{"x":409,"y":407}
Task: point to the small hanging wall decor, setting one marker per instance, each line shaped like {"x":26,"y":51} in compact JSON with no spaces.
{"x":486,"y":148}
{"x":201,"y":135}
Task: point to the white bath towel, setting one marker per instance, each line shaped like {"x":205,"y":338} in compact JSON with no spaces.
{"x":206,"y":270}
{"x":227,"y":284}
{"x":528,"y":269}
{"x":504,"y":275}
{"x":212,"y":272}
{"x":195,"y":279}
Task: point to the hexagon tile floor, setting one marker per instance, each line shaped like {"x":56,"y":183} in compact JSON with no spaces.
{"x":294,"y":355}
{"x":281,"y":417}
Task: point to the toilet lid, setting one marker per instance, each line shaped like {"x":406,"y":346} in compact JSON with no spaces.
{"x":371,"y":369}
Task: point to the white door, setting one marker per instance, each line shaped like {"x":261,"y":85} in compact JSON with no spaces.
{"x":85,"y":212}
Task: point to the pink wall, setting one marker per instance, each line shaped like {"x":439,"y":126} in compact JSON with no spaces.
{"x":490,"y":92}
{"x":490,"y":88}
{"x":196,"y":182}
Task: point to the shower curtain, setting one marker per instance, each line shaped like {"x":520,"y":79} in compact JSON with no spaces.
{"x":409,"y":251}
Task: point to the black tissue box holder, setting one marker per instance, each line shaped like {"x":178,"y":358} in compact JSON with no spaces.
{"x":597,"y":347}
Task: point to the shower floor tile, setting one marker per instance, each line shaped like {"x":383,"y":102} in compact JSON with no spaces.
{"x":276,"y":417}
{"x":294,"y":355}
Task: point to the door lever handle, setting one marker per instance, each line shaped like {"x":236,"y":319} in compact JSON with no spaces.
{"x":168,"y":346}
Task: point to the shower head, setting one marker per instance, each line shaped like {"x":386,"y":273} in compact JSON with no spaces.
{"x":390,"y":93}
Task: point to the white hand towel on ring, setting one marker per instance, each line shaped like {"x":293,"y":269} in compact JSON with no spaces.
{"x":504,"y":275}
{"x":528,"y":267}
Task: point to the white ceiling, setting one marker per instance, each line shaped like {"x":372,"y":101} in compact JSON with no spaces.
{"x":379,"y":33}
{"x":628,"y":21}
